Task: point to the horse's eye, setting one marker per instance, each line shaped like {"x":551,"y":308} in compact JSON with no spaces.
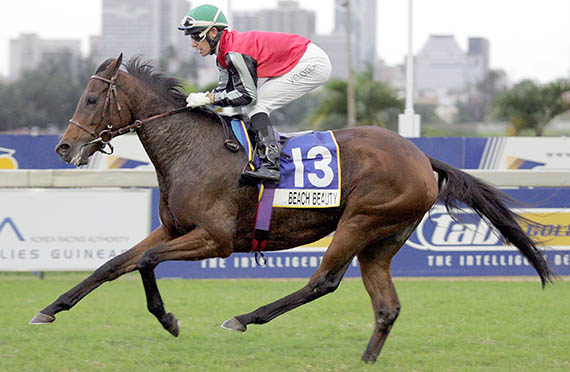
{"x":91,"y":100}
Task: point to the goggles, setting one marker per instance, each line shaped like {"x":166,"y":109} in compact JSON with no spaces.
{"x":188,"y":25}
{"x":198,"y":37}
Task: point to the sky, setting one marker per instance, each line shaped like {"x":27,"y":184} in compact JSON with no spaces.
{"x":529,"y":39}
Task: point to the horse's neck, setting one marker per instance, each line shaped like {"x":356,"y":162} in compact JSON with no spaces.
{"x":162,"y":139}
{"x":162,"y":143}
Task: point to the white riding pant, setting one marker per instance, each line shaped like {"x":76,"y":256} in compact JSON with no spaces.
{"x":312,"y":70}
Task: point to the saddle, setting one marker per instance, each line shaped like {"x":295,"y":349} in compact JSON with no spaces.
{"x":231,"y":137}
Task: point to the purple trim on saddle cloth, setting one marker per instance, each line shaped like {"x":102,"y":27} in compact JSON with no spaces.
{"x":264,"y":209}
{"x":263,"y":218}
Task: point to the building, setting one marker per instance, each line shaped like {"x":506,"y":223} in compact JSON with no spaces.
{"x":144,"y":27}
{"x":442,"y":66}
{"x":335,"y":46}
{"x":477,"y":63}
{"x":28,"y":52}
{"x":288,"y":17}
{"x":94,"y":48}
{"x":244,"y":21}
{"x":395,"y":75}
{"x":363,"y":14}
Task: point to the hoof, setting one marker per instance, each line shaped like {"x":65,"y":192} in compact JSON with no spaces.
{"x":234,"y":325}
{"x":171,"y":324}
{"x":367,"y":358}
{"x":42,"y":318}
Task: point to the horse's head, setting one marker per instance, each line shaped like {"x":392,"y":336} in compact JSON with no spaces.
{"x":102,"y":109}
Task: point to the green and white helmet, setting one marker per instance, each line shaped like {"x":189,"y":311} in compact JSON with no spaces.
{"x":201,"y":19}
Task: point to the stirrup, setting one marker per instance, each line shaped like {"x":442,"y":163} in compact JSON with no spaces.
{"x":263,"y":173}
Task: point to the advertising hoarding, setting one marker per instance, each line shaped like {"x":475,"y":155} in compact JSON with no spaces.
{"x":439,"y":247}
{"x":69,"y":229}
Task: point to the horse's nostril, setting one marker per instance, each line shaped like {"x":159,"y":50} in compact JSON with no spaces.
{"x":63,"y":149}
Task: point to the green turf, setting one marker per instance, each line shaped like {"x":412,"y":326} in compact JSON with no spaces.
{"x":443,"y":326}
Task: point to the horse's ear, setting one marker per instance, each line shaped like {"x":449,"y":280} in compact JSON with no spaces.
{"x":116,"y":65}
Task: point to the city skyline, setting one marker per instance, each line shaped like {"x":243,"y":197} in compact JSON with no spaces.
{"x":527,"y":40}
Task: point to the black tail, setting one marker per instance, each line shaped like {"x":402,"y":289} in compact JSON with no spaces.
{"x":489,"y":203}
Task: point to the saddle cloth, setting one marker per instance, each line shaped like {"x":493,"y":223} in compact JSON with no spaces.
{"x":310,"y":176}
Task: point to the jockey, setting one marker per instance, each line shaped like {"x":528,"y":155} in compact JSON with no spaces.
{"x":292,"y":65}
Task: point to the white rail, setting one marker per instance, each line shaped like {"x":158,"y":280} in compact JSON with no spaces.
{"x":54,"y":178}
{"x":65,"y":178}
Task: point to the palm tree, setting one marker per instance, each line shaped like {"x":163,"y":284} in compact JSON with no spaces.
{"x":529,"y":106}
{"x":376,"y":103}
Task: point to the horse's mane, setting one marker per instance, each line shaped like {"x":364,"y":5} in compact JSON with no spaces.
{"x":167,"y":87}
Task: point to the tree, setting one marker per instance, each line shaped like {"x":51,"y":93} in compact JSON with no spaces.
{"x":478,"y":103}
{"x":43,"y":97}
{"x":376,"y":103}
{"x":531,"y":107}
{"x":293,"y":116}
{"x":428,"y":113}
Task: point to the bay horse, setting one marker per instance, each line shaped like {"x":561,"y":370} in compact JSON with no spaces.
{"x":387,"y":187}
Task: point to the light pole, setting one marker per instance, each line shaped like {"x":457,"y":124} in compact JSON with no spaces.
{"x":351,"y":105}
{"x":409,"y":122}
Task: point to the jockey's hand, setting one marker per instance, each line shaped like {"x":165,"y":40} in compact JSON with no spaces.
{"x":198,"y":99}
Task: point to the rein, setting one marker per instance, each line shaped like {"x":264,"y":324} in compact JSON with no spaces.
{"x":107,"y":134}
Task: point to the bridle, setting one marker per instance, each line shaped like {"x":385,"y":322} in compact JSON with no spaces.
{"x":107,"y":134}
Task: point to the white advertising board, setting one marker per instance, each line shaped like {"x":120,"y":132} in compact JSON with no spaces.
{"x":69,"y":229}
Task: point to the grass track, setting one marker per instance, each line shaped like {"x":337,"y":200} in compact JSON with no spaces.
{"x":444,"y":326}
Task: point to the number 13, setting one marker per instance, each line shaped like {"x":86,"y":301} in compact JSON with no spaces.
{"x":322,"y":165}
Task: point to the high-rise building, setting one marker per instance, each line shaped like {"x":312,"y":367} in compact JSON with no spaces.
{"x":363,"y":14}
{"x":477,"y":59}
{"x":288,"y":17}
{"x":244,"y":21}
{"x":144,"y":27}
{"x":28,"y":52}
{"x":335,"y":46}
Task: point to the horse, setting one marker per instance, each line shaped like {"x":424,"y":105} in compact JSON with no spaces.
{"x":208,"y":211}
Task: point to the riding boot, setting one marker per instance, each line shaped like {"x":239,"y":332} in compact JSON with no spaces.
{"x":267,"y":150}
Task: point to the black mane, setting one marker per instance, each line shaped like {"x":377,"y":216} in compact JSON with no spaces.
{"x":168,"y":87}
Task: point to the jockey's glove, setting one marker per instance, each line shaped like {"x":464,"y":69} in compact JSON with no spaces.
{"x":197,"y":100}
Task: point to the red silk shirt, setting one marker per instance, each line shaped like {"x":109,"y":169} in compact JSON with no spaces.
{"x":275,"y":53}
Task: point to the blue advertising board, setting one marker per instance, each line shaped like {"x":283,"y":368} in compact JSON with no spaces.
{"x":439,"y":246}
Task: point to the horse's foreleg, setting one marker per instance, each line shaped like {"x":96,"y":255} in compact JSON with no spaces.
{"x":196,"y":245}
{"x":326,"y":279}
{"x":112,"y":269}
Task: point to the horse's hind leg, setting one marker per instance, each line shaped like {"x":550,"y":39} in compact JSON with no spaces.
{"x":326,"y":279}
{"x":110,"y":270}
{"x":375,"y":268}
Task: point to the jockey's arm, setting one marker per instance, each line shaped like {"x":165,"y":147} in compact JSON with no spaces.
{"x":237,"y":86}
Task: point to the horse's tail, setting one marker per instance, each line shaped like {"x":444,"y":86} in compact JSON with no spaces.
{"x":489,"y":203}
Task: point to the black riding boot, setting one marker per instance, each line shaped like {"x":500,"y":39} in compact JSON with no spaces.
{"x":267,"y":150}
